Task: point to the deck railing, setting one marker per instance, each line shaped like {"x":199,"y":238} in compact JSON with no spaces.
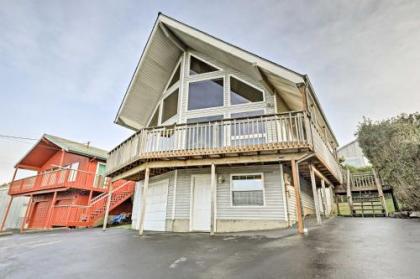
{"x":267,"y":132}
{"x":61,"y":178}
{"x":363,"y":181}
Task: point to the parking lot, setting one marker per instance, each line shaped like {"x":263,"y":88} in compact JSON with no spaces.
{"x":341,"y":248}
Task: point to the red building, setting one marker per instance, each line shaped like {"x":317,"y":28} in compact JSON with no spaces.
{"x":69,"y":189}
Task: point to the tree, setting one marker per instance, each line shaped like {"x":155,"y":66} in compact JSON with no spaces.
{"x":393,"y":148}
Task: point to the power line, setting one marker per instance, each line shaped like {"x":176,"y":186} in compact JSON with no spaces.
{"x":15,"y":137}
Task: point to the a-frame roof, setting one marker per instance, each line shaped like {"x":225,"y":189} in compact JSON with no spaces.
{"x":48,"y":145}
{"x":168,"y":40}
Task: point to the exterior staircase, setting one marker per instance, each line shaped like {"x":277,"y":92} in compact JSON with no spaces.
{"x":122,"y":190}
{"x":369,"y":206}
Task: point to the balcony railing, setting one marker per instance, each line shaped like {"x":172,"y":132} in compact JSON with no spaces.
{"x":291,"y":130}
{"x":62,"y":178}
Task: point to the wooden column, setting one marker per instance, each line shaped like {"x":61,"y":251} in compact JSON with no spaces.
{"x":213,"y":186}
{"x":108,"y":205}
{"x":380,"y":191}
{"x":26,"y":216}
{"x":296,"y":184}
{"x":315,"y":194}
{"x":50,"y":212}
{"x":324,"y":198}
{"x":10,"y":202}
{"x":349,"y":198}
{"x":6,"y":213}
{"x":285,"y":196}
{"x":144,"y":200}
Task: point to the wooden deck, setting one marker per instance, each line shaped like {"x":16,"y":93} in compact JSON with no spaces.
{"x":59,"y":179}
{"x":246,"y":138}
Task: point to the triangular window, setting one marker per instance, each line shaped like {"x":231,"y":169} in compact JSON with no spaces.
{"x":200,"y":67}
{"x":176,"y":76}
{"x":242,"y":93}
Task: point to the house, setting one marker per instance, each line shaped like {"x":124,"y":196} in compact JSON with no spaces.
{"x":353,"y":155}
{"x":69,"y":188}
{"x":17,"y":208}
{"x":224,"y":140}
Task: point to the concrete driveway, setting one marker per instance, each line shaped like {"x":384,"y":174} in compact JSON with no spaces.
{"x":342,"y":248}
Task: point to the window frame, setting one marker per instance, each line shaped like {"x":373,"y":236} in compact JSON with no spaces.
{"x":247,"y":83}
{"x":221,"y":76}
{"x":202,"y":60}
{"x":162,"y":102}
{"x":231,"y":190}
{"x":167,"y":87}
{"x":97,"y":175}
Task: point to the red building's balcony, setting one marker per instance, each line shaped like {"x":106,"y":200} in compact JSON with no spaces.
{"x":58,"y":180}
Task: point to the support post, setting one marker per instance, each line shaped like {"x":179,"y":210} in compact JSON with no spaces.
{"x":380,"y":191}
{"x":315,"y":194}
{"x":143,"y":200}
{"x":108,"y":205}
{"x":296,"y":184}
{"x":349,"y":198}
{"x":3,"y":223}
{"x":25,"y":217}
{"x":213,"y":186}
{"x":50,"y":212}
{"x":324,"y":198}
{"x":285,"y":196}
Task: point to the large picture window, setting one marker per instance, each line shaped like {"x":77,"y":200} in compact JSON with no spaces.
{"x":247,"y":190}
{"x":205,"y":94}
{"x":242,"y":93}
{"x":170,"y":106}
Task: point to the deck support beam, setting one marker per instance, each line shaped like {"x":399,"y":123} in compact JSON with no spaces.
{"x":296,"y":184}
{"x":324,"y":198}
{"x":108,"y":205}
{"x":144,"y":200}
{"x":27,"y":215}
{"x":50,"y":212}
{"x":380,"y":191}
{"x":213,"y":186}
{"x":315,"y":194}
{"x":349,"y":197}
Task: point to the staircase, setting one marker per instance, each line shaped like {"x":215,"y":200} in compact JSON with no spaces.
{"x":122,"y":190}
{"x":369,"y":206}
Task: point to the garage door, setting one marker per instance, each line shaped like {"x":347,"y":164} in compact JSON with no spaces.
{"x":155,"y":215}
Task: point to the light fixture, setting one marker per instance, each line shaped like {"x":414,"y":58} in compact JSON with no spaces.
{"x":220,"y":179}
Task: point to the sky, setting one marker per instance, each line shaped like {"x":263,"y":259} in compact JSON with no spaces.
{"x":65,"y":65}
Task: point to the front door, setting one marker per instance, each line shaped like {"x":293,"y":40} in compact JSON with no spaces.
{"x":201,"y":203}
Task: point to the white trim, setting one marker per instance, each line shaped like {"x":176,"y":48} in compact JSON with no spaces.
{"x":202,"y":60}
{"x":96,"y":173}
{"x":174,"y":194}
{"x":247,"y":206}
{"x":283,"y":189}
{"x":172,"y":75}
{"x":247,"y":83}
{"x":153,"y":114}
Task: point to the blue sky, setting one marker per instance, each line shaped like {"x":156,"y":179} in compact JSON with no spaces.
{"x":65,"y":65}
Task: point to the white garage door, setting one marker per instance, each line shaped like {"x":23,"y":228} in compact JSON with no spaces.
{"x":155,"y":215}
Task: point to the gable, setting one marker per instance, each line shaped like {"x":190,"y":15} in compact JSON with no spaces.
{"x":168,"y":40}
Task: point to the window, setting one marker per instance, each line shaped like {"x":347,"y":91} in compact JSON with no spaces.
{"x":155,"y":119}
{"x":247,"y":190}
{"x":100,"y":175}
{"x":199,"y":67}
{"x":242,"y":93}
{"x":205,"y":94}
{"x":176,"y":76}
{"x":72,"y":171}
{"x":170,"y":106}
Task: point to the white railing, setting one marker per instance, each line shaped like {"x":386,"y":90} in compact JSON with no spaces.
{"x":277,"y":131}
